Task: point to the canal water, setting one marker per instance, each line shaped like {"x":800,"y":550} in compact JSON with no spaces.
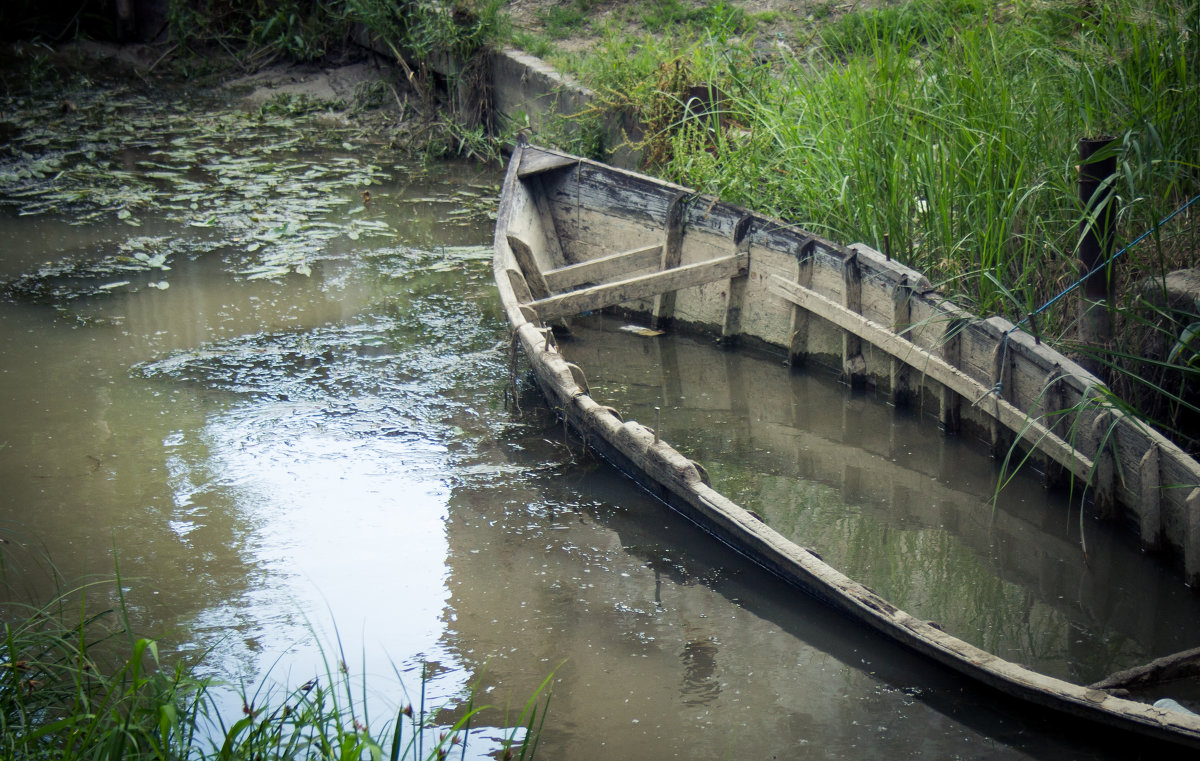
{"x":277,"y":406}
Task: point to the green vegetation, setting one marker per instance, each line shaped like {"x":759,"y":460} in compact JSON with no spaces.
{"x":75,"y":684}
{"x":566,"y":19}
{"x":660,"y":17}
{"x":579,"y":18}
{"x":946,"y":130}
{"x":304,"y":30}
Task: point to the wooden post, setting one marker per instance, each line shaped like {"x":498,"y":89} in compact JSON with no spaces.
{"x":1097,"y":170}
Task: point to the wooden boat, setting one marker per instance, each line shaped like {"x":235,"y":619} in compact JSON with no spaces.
{"x":575,"y":236}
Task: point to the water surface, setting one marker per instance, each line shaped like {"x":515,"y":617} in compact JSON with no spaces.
{"x":281,"y":411}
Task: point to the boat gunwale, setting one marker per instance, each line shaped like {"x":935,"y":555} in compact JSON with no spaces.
{"x":637,"y":451}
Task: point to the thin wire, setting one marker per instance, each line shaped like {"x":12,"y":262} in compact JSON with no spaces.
{"x":1102,"y":265}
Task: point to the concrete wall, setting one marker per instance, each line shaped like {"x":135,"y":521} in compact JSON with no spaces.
{"x":528,"y":94}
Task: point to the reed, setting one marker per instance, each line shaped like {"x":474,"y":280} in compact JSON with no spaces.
{"x":75,"y":684}
{"x":948,"y":130}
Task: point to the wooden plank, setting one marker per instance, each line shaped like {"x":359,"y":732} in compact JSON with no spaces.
{"x":936,"y":368}
{"x":534,"y":162}
{"x":529,"y":268}
{"x":604,"y":268}
{"x":549,"y":229}
{"x":645,"y":286}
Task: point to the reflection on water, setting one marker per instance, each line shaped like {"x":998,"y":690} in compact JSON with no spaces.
{"x":323,"y":445}
{"x":899,"y":507}
{"x":700,"y":666}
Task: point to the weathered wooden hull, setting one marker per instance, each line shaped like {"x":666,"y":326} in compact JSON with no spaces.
{"x":574,"y":235}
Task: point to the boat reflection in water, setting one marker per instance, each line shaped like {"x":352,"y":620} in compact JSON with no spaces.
{"x":984,"y":589}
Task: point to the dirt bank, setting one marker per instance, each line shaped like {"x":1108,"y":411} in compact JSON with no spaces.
{"x":772,"y":22}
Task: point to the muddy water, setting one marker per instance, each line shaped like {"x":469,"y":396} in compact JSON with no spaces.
{"x":883,"y":496}
{"x":280,"y":411}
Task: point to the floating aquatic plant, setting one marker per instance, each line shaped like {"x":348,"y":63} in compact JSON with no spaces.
{"x":239,"y":181}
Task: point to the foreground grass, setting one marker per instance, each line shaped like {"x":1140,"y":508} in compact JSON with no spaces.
{"x":946,"y":132}
{"x":75,"y":685}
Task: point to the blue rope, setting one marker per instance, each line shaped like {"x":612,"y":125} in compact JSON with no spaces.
{"x":1102,"y":265}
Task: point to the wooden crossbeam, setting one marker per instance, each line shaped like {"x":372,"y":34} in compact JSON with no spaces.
{"x":940,"y":370}
{"x":645,"y":286}
{"x":603,"y":268}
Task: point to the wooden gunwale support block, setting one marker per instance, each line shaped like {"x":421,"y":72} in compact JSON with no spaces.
{"x":1103,"y":479}
{"x":853,"y":365}
{"x":529,"y":267}
{"x":736,"y":290}
{"x":1002,"y":361}
{"x":579,"y":378}
{"x":798,"y":329}
{"x":949,"y":402}
{"x":672,"y":255}
{"x":530,"y":314}
{"x":1191,"y":548}
{"x":1051,"y":414}
{"x":900,"y":380}
{"x":1150,"y":497}
{"x":640,"y":287}
{"x":519,"y":286}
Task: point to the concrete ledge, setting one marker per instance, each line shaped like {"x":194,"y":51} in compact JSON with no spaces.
{"x":529,"y":94}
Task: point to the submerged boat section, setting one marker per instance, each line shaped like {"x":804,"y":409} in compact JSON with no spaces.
{"x":574,"y":236}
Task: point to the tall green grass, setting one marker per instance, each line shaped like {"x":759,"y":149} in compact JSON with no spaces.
{"x":76,"y":684}
{"x":948,"y":129}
